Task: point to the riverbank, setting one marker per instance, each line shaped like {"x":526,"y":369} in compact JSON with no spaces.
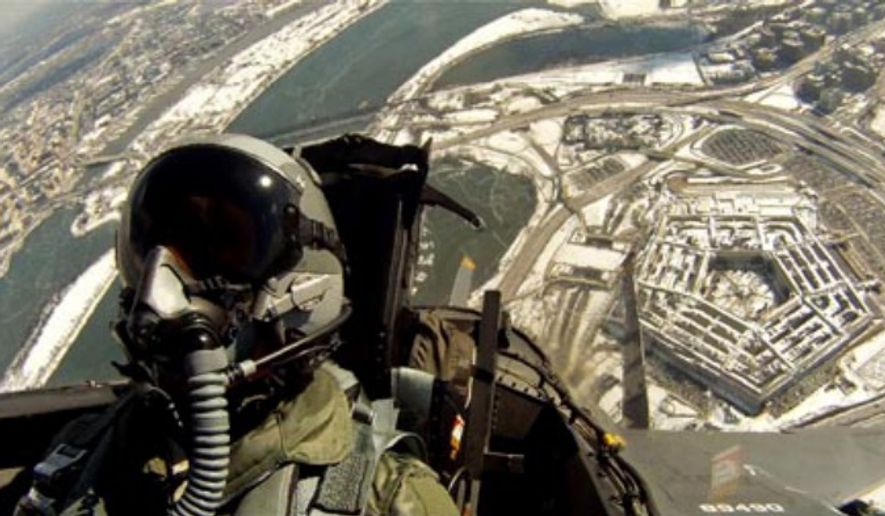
{"x":47,"y":346}
{"x":510,"y":26}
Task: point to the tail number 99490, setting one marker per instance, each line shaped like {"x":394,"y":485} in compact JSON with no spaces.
{"x":724,"y":508}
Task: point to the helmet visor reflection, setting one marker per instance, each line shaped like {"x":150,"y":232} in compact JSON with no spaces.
{"x":221,"y":212}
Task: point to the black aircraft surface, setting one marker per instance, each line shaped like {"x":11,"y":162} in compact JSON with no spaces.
{"x":525,"y":446}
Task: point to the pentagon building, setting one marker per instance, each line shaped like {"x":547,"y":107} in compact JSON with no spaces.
{"x":738,"y":289}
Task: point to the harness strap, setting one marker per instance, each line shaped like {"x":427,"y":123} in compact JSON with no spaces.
{"x":314,"y":233}
{"x":215,"y":284}
{"x":340,"y":489}
{"x":344,"y":488}
{"x":62,"y":475}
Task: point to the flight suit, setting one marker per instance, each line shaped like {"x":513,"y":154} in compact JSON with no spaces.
{"x":280,"y":466}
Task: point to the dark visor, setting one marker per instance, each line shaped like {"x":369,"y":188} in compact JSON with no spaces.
{"x":222,"y":212}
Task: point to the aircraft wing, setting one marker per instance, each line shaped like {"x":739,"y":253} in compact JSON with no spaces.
{"x":808,"y":472}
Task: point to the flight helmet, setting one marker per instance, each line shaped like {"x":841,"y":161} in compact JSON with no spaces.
{"x":249,"y":238}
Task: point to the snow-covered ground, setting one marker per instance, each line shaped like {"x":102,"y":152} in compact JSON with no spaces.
{"x":538,"y":273}
{"x":863,"y":364}
{"x":594,"y":213}
{"x":471,"y":116}
{"x":630,"y":8}
{"x":632,"y":159}
{"x":547,"y":134}
{"x":618,"y":9}
{"x":587,"y":256}
{"x":668,"y":412}
{"x":277,"y":9}
{"x":517,"y":146}
{"x":666,"y":68}
{"x":876,"y":496}
{"x":100,"y":207}
{"x":611,"y":402}
{"x":41,"y":355}
{"x":568,"y":4}
{"x":506,"y":27}
{"x":782,"y":97}
{"x":878,"y":123}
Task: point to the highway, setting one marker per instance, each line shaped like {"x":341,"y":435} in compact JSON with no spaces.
{"x":848,"y":150}
{"x":797,"y":129}
{"x":524,"y":261}
{"x":805,"y":130}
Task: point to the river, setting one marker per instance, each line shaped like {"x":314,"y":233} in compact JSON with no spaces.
{"x":50,"y":260}
{"x":366,"y":63}
{"x":590,"y":43}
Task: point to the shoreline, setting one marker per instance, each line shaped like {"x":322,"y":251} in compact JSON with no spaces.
{"x":59,"y":326}
{"x":206,"y":98}
{"x":522,"y":23}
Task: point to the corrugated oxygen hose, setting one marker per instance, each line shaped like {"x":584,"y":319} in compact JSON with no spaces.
{"x":210,"y":434}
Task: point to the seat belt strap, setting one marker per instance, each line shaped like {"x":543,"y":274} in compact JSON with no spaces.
{"x":62,"y":473}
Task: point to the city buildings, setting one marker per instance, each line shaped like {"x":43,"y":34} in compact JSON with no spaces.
{"x":739,"y":289}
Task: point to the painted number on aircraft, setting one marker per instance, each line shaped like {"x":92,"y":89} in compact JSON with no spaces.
{"x":725,"y":508}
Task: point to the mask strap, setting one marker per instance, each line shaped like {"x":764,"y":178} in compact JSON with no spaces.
{"x":230,"y":293}
{"x":308,"y":232}
{"x":316,"y":234}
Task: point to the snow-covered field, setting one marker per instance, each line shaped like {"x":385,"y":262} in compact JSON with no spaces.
{"x":547,"y":134}
{"x":666,"y":68}
{"x":781,"y":96}
{"x":472,"y":116}
{"x":630,"y":8}
{"x":506,"y":27}
{"x":41,"y":355}
{"x":586,"y":256}
{"x":273,"y":11}
{"x":568,"y":4}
